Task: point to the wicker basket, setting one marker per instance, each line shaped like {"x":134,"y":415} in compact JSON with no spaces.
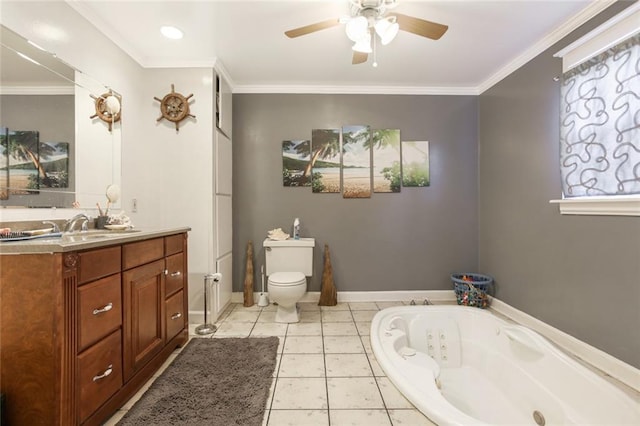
{"x":472,"y":289}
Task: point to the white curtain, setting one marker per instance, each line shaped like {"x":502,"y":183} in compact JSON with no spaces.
{"x":600,"y":124}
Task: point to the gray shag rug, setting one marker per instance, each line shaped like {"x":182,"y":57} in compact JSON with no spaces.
{"x":212,"y":381}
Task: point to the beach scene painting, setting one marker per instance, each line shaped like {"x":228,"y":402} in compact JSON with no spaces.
{"x":4,"y":163}
{"x":415,"y":163}
{"x":24,"y":162}
{"x":296,"y":164}
{"x":54,"y":164}
{"x":356,"y":161}
{"x":386,"y":160}
{"x":325,"y":160}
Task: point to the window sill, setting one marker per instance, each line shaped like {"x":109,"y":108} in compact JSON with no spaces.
{"x":600,"y":206}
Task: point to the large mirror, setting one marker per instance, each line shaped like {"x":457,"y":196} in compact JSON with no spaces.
{"x":52,"y":154}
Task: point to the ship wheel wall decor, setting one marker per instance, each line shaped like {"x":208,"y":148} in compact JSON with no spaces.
{"x":174,"y":107}
{"x":108,"y":107}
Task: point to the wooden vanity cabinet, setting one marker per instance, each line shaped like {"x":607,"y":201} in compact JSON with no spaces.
{"x":82,"y":331}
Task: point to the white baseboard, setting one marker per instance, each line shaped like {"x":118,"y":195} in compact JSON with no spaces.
{"x":601,"y":360}
{"x":369,"y":296}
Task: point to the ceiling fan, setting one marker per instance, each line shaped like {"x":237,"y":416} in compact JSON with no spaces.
{"x":371,"y":17}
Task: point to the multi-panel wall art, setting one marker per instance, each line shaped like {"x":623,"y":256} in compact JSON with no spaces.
{"x":356,"y":161}
{"x":27,"y":164}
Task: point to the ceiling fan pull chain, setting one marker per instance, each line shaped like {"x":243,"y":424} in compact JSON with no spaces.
{"x":375,"y":52}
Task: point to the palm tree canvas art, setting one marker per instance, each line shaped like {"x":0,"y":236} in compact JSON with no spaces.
{"x":356,"y":162}
{"x":54,"y":158}
{"x":415,"y":163}
{"x":325,"y":160}
{"x":4,"y":163}
{"x":24,"y":163}
{"x":296,"y":164}
{"x":386,"y":160}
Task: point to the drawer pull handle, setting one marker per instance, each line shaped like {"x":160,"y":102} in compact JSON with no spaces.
{"x":176,"y":274}
{"x":106,"y":373}
{"x":176,"y":315}
{"x":106,"y":308}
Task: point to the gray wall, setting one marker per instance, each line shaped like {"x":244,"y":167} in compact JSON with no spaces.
{"x":407,"y":241}
{"x":580,"y":274}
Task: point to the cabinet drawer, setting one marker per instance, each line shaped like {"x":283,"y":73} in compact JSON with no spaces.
{"x":175,"y":315}
{"x":173,"y":244}
{"x":174,"y":280}
{"x":98,"y":263}
{"x":142,"y":252}
{"x":99,"y":373}
{"x":99,"y":310}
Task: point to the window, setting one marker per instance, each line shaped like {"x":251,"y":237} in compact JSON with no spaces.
{"x":600,"y":120}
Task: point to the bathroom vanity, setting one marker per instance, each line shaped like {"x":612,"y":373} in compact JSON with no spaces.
{"x":86,"y":320}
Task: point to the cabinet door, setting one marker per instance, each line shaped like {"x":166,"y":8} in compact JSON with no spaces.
{"x":143,"y":315}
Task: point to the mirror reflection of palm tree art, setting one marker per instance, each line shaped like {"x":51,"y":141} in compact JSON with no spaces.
{"x":415,"y":163}
{"x":4,"y":163}
{"x":325,"y":160}
{"x":296,"y":165}
{"x":356,"y":162}
{"x":54,"y":158}
{"x":386,"y":160}
{"x":24,"y":164}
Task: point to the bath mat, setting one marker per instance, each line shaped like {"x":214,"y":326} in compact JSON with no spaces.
{"x":212,"y":381}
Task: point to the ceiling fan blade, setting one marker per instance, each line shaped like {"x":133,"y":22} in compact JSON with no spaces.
{"x":359,"y":58}
{"x":308,"y":29}
{"x":420,"y":27}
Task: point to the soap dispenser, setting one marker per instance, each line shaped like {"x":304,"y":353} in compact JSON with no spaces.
{"x":296,"y":229}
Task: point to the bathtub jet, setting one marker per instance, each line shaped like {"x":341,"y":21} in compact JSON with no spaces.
{"x":464,"y":366}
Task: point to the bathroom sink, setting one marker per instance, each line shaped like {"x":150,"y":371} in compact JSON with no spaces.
{"x":96,"y":235}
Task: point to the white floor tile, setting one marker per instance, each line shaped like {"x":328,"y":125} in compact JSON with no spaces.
{"x":364,"y":328}
{"x":347,"y":365}
{"x":363,"y":316}
{"x":308,"y":307}
{"x":391,"y":395}
{"x":300,"y":394}
{"x":305,"y":329}
{"x":384,"y":305}
{"x":339,"y":329}
{"x":343,"y":345}
{"x":302,"y":365}
{"x":310,"y":316}
{"x":337,"y":316}
{"x":298,"y":418}
{"x":242,"y":315}
{"x":366,"y":343}
{"x":303,"y":344}
{"x":377,"y":370}
{"x":280,"y":344}
{"x":239,"y":307}
{"x":267,"y":316}
{"x":234,"y":329}
{"x":269,"y":329}
{"x":270,"y":308}
{"x":409,"y":418}
{"x":341,"y":306}
{"x":359,"y":418}
{"x":363,"y":306}
{"x":277,"y":367}
{"x":353,"y":393}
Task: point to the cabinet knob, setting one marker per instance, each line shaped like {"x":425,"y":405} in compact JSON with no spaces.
{"x":176,"y":316}
{"x":106,"y":373}
{"x":105,"y":308}
{"x":176,"y":274}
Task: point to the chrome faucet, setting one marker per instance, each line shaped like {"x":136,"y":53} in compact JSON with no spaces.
{"x":69,"y":224}
{"x":54,"y":226}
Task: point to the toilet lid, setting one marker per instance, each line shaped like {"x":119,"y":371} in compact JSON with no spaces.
{"x":287,"y":278}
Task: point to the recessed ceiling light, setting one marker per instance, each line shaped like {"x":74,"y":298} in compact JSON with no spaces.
{"x":171,"y":32}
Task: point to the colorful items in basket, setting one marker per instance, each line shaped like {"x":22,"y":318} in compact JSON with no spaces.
{"x":472,"y":289}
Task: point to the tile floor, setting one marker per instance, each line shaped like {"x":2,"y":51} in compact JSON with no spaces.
{"x":326,"y":373}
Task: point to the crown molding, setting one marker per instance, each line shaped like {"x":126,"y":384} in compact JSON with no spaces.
{"x":356,"y":90}
{"x":37,"y":90}
{"x":546,"y":42}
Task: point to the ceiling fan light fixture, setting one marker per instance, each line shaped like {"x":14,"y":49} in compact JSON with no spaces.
{"x":387,"y":29}
{"x":356,"y":28}
{"x":171,"y":32}
{"x":363,"y":45}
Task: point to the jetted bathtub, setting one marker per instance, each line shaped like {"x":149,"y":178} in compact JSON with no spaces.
{"x":465,"y":366}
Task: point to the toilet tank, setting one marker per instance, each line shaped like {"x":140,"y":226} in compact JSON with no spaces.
{"x":289,"y":255}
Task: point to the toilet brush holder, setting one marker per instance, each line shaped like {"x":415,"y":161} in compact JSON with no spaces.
{"x":207,"y":328}
{"x":263,"y":300}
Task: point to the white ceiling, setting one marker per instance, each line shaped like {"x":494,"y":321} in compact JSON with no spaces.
{"x":486,"y":40}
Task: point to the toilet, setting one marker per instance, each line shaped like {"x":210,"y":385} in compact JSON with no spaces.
{"x":288,"y":263}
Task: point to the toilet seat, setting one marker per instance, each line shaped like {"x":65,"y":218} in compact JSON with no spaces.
{"x":287,"y":279}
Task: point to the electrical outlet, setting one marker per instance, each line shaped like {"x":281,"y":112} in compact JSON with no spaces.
{"x":134,"y":205}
